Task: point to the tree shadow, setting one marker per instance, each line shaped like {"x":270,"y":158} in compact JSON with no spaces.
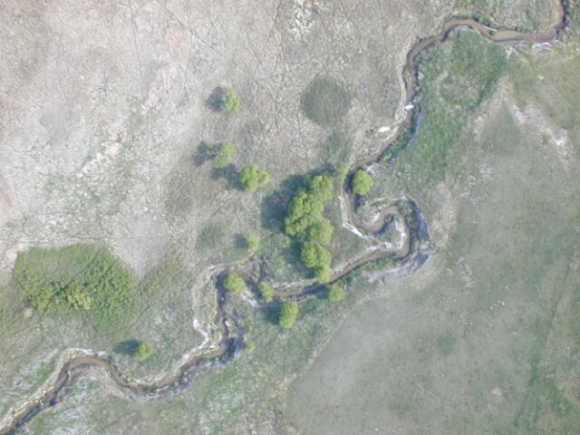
{"x":204,"y":152}
{"x":127,"y":347}
{"x":217,"y":99}
{"x":230,"y":174}
{"x":240,"y":242}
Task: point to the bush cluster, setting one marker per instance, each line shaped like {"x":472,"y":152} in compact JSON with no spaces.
{"x":306,"y":223}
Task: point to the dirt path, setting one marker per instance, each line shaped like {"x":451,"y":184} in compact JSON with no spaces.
{"x":232,"y":342}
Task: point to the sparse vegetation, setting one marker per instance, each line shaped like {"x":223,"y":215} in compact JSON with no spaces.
{"x":78,"y":278}
{"x":234,"y":284}
{"x":336,"y":292}
{"x":289,"y":314}
{"x":252,"y":177}
{"x":225,"y":155}
{"x":266,"y":291}
{"x":362,"y":182}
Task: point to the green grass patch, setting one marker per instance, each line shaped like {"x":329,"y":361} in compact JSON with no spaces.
{"x":80,"y":278}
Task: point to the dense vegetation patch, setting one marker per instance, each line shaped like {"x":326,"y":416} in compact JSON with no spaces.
{"x":77,"y":278}
{"x":306,"y":223}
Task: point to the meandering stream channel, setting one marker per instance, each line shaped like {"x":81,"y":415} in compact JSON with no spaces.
{"x":408,"y":255}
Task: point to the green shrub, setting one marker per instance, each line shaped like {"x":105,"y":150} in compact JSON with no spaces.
{"x":362,"y":182}
{"x":231,"y":101}
{"x":235,"y":284}
{"x":77,"y":278}
{"x":225,"y":155}
{"x":144,"y":351}
{"x":252,"y":243}
{"x":266,"y":291}
{"x":253,"y":177}
{"x":288,"y":314}
{"x":336,"y":292}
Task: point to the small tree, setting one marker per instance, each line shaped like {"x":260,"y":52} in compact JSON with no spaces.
{"x":234,"y":284}
{"x":231,"y":101}
{"x":252,"y":243}
{"x":253,"y":177}
{"x":362,"y":182}
{"x":288,"y":314}
{"x":266,"y":291}
{"x":336,"y":293}
{"x":144,"y":351}
{"x":225,"y":155}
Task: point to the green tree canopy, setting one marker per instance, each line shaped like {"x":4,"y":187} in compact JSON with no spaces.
{"x":362,"y":182}
{"x":288,"y":314}
{"x":234,"y":283}
{"x":253,"y":177}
